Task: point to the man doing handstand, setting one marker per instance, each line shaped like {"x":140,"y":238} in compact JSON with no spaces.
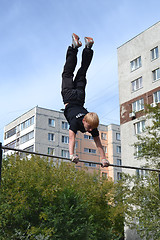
{"x":73,"y":93}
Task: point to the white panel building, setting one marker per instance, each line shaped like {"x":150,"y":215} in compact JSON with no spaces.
{"x":139,"y":84}
{"x":39,"y":130}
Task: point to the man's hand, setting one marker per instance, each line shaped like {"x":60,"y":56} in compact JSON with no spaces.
{"x":105,"y":163}
{"x":74,"y":158}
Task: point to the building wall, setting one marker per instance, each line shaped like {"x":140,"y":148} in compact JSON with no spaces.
{"x":126,"y":107}
{"x":140,"y":45}
{"x":114,"y":142}
{"x":43,"y":129}
{"x":83,"y":143}
{"x":104,"y":136}
{"x":19,"y":132}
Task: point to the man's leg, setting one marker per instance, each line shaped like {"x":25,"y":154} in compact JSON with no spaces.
{"x":69,"y":67}
{"x":80,"y":79}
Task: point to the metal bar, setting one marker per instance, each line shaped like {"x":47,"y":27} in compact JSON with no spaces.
{"x":0,"y":161}
{"x":35,"y":153}
{"x":83,"y":161}
{"x":142,"y":168}
{"x":159,"y":182}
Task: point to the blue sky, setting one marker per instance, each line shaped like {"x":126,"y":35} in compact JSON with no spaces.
{"x":35,"y":35}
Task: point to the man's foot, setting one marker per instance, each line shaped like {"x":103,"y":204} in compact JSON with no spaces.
{"x":75,"y":41}
{"x":88,"y":42}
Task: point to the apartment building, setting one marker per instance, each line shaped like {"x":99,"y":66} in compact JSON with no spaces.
{"x":47,"y":131}
{"x":139,"y":84}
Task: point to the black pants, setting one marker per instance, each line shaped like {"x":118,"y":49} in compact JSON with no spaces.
{"x":74,"y":91}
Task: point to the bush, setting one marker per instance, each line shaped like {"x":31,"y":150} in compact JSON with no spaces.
{"x":43,"y":200}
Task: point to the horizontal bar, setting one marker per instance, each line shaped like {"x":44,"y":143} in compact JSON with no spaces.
{"x":83,"y":161}
{"x":121,"y":166}
{"x":35,"y":153}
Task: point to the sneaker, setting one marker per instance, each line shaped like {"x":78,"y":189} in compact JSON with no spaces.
{"x":88,"y":42}
{"x":75,"y":41}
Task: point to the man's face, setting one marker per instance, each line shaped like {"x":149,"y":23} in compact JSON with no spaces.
{"x":87,"y":126}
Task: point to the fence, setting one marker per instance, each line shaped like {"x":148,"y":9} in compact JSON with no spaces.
{"x":83,"y":161}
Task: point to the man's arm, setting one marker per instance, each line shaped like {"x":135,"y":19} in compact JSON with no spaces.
{"x":98,"y":143}
{"x":72,"y":138}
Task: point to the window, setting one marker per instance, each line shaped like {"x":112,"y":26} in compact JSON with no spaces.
{"x":119,"y":162}
{"x":11,"y":145}
{"x":118,"y":137}
{"x":118,"y":149}
{"x":65,"y":139}
{"x":89,"y":137}
{"x":10,"y":133}
{"x":51,"y":137}
{"x":138,"y":150}
{"x":104,"y":174}
{"x":65,"y":125}
{"x":51,"y":122}
{"x":51,"y":151}
{"x":30,"y":148}
{"x":88,"y":150}
{"x":27,"y":123}
{"x":27,"y":137}
{"x":136,"y":63}
{"x":138,"y":105}
{"x":76,"y":144}
{"x":105,"y":149}
{"x":156,"y":74}
{"x":119,"y":175}
{"x":141,"y":173}
{"x":18,"y":128}
{"x":65,"y":153}
{"x":154,"y":53}
{"x":136,"y":84}
{"x":156,"y":97}
{"x":90,"y":164}
{"x":139,"y":127}
{"x":103,"y":136}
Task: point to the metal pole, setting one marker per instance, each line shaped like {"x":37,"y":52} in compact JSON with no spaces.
{"x":83,"y":161}
{"x":0,"y":161}
{"x":159,"y":183}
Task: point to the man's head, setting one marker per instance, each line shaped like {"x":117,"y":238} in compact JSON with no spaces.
{"x":90,"y":121}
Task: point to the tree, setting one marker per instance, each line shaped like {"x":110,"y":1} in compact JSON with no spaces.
{"x":141,"y":193}
{"x":41,"y":199}
{"x":149,"y":142}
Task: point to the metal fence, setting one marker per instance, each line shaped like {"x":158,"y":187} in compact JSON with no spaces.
{"x":83,"y":161}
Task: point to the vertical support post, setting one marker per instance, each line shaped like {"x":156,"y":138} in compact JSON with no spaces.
{"x":159,"y":182}
{"x":0,"y":161}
